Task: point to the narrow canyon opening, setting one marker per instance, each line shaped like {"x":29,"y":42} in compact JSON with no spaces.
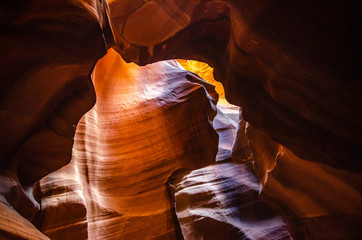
{"x":227,"y":119}
{"x":135,"y":154}
{"x":106,"y":133}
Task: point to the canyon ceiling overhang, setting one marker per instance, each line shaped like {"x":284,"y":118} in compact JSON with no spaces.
{"x":293,"y":67}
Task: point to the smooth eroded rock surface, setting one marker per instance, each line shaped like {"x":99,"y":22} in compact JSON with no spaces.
{"x":311,"y":196}
{"x":147,"y":123}
{"x":221,"y":201}
{"x":48,"y":49}
{"x":293,"y":67}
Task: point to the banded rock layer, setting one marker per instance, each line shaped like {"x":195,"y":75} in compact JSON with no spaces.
{"x":45,"y":89}
{"x":293,"y":67}
{"x":221,"y":201}
{"x":147,"y":122}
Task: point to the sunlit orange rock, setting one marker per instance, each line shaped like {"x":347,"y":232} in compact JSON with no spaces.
{"x":293,"y":68}
{"x":48,"y":49}
{"x":227,"y":117}
{"x":147,"y":122}
{"x":205,"y":72}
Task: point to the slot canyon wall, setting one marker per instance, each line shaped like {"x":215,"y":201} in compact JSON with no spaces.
{"x":142,"y":141}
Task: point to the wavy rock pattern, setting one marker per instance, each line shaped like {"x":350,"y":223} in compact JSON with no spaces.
{"x":319,"y":202}
{"x":44,"y":90}
{"x":222,"y":201}
{"x":46,"y":87}
{"x":293,"y":67}
{"x":142,"y":128}
{"x":63,"y":210}
{"x":225,"y":124}
{"x":331,"y":209}
{"x":15,"y":226}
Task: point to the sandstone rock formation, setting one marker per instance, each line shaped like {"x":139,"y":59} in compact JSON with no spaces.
{"x":222,"y":201}
{"x":147,"y":122}
{"x":293,"y":67}
{"x":45,"y":89}
{"x":317,"y":201}
{"x":63,"y":212}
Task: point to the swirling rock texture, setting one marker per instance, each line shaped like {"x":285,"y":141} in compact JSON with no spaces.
{"x":63,"y":212}
{"x":221,"y":201}
{"x":293,"y":68}
{"x":44,"y":90}
{"x":147,"y":122}
{"x":318,"y":201}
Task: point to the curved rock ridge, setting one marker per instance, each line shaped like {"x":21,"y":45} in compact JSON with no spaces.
{"x":45,"y":89}
{"x":15,"y":226}
{"x":326,"y":201}
{"x":294,"y":70}
{"x":291,"y":66}
{"x":205,"y":72}
{"x":147,"y":122}
{"x":63,"y":210}
{"x":46,"y":86}
{"x":226,"y":124}
{"x":317,"y":201}
{"x":221,"y":201}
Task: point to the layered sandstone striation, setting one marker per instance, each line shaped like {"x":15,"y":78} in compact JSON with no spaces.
{"x":221,"y":201}
{"x":317,"y":201}
{"x":63,"y":212}
{"x":45,"y":89}
{"x":147,"y":122}
{"x":293,"y":67}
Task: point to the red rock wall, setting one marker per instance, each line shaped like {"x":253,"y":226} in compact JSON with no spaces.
{"x":147,"y":122}
{"x":221,"y":201}
{"x":293,"y":68}
{"x":48,"y":49}
{"x":317,"y":201}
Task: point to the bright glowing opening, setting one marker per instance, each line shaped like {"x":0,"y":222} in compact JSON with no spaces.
{"x":205,"y":72}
